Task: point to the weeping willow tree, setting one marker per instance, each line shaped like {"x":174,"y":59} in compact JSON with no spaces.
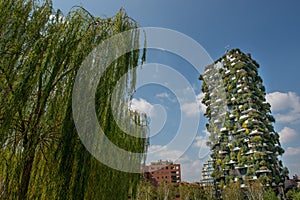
{"x":41,"y":155}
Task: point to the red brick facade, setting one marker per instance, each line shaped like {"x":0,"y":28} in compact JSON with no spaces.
{"x":161,"y":171}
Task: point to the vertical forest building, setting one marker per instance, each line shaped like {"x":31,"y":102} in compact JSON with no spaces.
{"x":244,"y":145}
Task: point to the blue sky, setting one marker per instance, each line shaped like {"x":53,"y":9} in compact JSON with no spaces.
{"x":269,"y":30}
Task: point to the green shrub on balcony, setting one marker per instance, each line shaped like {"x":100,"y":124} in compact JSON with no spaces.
{"x":213,"y":174}
{"x":262,"y":163}
{"x":239,"y":157}
{"x":223,"y":165}
{"x":270,"y":118}
{"x":279,"y":150}
{"x":241,"y":164}
{"x":277,"y":179}
{"x":235,"y":128}
{"x":263,"y":168}
{"x":239,"y":65}
{"x":233,"y":155}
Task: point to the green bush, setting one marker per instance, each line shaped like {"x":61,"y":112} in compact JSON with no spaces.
{"x":270,"y":195}
{"x":293,"y":195}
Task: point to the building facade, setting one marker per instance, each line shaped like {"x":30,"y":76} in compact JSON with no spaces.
{"x":244,"y":145}
{"x":162,"y":171}
{"x":207,"y":170}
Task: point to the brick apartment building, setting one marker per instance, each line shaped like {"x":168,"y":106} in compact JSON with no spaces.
{"x":160,"y":171}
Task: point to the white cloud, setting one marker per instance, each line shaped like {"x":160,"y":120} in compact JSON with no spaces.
{"x":292,"y":151}
{"x":159,"y":152}
{"x":200,"y":141}
{"x":183,"y":159}
{"x":165,"y":95}
{"x":170,"y":154}
{"x":142,"y":106}
{"x":199,"y":99}
{"x":287,"y":135}
{"x":191,"y":170}
{"x":282,"y":101}
{"x":194,"y":108}
{"x":153,"y":148}
{"x":286,"y":106}
{"x":191,"y":109}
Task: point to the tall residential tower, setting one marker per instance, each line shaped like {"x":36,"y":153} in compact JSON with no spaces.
{"x":244,"y":145}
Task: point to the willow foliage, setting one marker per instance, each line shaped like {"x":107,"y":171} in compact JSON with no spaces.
{"x":41,"y":154}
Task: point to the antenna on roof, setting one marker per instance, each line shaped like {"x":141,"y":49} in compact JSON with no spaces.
{"x":227,"y":49}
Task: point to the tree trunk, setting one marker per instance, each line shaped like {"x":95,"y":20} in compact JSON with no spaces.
{"x":29,"y":153}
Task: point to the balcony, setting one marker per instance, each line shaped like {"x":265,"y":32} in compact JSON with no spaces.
{"x":217,"y":75}
{"x":255,"y":120}
{"x":269,"y":157}
{"x":240,"y":130}
{"x":232,"y":58}
{"x":236,"y":148}
{"x":268,"y":152}
{"x":231,"y":162}
{"x":223,"y":152}
{"x":255,"y":132}
{"x":246,"y":140}
{"x":231,"y":116}
{"x":217,"y":121}
{"x":240,"y":71}
{"x":219,"y":100}
{"x":250,"y":152}
{"x":246,"y":89}
{"x":244,"y":116}
{"x":263,"y":171}
{"x":215,"y":107}
{"x":251,"y":110}
{"x":224,"y":129}
{"x":207,"y":70}
{"x":223,"y":114}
